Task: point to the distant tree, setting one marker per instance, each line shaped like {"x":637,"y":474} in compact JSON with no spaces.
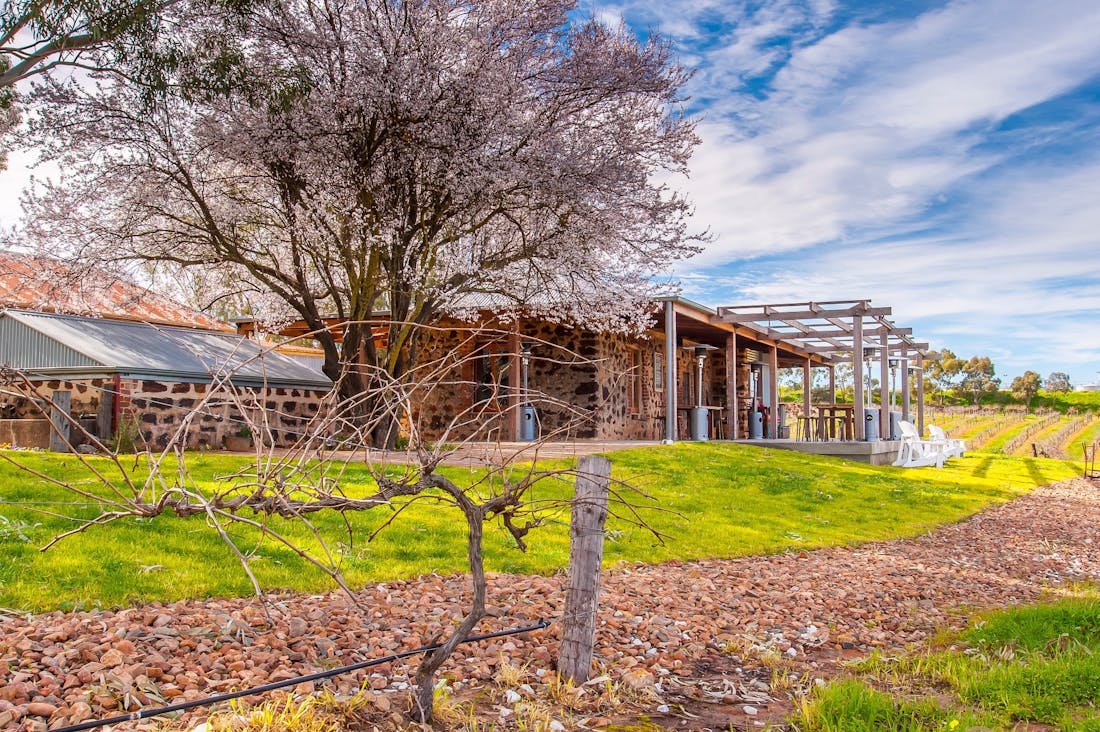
{"x":790,"y":378}
{"x":977,"y":379}
{"x":1058,"y":382}
{"x":941,"y":374}
{"x":1026,"y":386}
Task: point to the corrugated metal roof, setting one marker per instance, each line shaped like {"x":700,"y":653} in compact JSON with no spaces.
{"x":144,"y":349}
{"x":22,"y":347}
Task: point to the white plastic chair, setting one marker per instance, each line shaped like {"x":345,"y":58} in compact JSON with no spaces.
{"x":915,"y":452}
{"x":952,"y":446}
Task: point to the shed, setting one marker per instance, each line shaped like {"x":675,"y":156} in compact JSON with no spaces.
{"x":152,"y":376}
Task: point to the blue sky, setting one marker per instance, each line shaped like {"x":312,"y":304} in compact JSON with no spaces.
{"x":937,"y":157}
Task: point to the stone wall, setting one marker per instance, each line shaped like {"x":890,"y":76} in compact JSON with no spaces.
{"x":619,"y":417}
{"x":581,"y":384}
{"x":156,"y":411}
{"x":562,"y":382}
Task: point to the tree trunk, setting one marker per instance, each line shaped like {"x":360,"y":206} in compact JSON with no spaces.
{"x":425,"y":674}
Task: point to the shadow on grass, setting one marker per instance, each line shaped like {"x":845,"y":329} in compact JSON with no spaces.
{"x":1034,"y":469}
{"x":983,"y":467}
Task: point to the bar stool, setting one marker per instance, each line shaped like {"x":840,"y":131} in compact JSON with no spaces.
{"x":807,"y":427}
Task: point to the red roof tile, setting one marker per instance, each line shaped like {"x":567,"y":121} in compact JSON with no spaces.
{"x":39,"y":283}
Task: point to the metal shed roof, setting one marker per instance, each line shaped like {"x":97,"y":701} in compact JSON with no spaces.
{"x":65,"y":345}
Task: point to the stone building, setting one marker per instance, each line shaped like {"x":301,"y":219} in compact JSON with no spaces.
{"x":155,"y":382}
{"x":586,"y":384}
{"x":608,"y":386}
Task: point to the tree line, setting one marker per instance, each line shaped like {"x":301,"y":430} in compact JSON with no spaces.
{"x":974,"y":378}
{"x":966,"y":379}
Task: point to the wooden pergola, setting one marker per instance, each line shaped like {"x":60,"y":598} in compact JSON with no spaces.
{"x":842,"y":331}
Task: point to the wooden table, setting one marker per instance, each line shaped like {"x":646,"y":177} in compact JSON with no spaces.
{"x":715,"y":427}
{"x":836,"y":421}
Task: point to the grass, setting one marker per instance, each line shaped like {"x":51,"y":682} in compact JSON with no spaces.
{"x":1089,"y":435}
{"x":715,"y":500}
{"x":1038,"y":664}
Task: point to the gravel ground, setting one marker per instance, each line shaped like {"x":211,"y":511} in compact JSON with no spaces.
{"x":685,"y":635}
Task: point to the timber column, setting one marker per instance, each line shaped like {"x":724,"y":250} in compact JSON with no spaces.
{"x":671,"y":371}
{"x":857,"y":377}
{"x":731,"y":386}
{"x":884,"y":388}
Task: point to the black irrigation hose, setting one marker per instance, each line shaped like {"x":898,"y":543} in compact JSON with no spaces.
{"x":147,"y":713}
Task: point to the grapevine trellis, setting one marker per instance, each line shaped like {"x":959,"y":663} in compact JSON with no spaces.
{"x":980,"y":439}
{"x":1057,"y":445}
{"x":1024,"y":436}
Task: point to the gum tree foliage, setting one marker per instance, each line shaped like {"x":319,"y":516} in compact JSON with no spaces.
{"x":941,"y":375}
{"x":122,"y":36}
{"x":1026,"y":386}
{"x":422,"y":157}
{"x":978,"y":379}
{"x":1058,"y":382}
{"x":38,"y":35}
{"x":132,"y":37}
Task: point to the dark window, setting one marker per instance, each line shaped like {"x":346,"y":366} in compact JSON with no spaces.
{"x":635,"y":382}
{"x":492,"y":374}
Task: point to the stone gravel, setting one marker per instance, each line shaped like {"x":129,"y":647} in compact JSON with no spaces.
{"x":662,"y":625}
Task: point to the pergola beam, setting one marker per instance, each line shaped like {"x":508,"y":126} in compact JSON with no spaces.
{"x":728,"y":315}
{"x":809,"y":333}
{"x":893,"y":348}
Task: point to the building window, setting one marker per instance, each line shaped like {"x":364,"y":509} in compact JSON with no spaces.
{"x":658,"y":372}
{"x":492,"y":374}
{"x":635,"y":382}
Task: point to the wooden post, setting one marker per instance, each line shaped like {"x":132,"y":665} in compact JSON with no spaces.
{"x":832,"y":383}
{"x":731,"y":386}
{"x":906,"y":397}
{"x":61,"y":408}
{"x":671,"y":371}
{"x":104,"y":416}
{"x":920,"y":394}
{"x":857,"y":375}
{"x":884,"y":389}
{"x":807,"y":388}
{"x":773,"y":422}
{"x":582,"y":593}
{"x":515,"y":382}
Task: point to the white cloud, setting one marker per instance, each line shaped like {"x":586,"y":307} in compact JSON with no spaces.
{"x":1017,"y":279}
{"x":865,"y":127}
{"x":863,"y":172}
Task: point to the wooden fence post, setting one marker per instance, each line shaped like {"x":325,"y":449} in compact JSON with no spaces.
{"x":585,"y":557}
{"x":59,"y":411}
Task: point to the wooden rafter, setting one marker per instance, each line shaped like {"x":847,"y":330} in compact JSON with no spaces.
{"x":826,"y":329}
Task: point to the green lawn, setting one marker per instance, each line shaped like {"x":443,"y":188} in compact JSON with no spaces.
{"x":1031,"y":665}
{"x":716,"y":500}
{"x":1075,"y":449}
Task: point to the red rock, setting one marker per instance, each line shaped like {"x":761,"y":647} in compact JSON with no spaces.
{"x":41,"y":709}
{"x":111,"y":658}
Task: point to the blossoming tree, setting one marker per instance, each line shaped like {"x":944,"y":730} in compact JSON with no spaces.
{"x":408,"y":157}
